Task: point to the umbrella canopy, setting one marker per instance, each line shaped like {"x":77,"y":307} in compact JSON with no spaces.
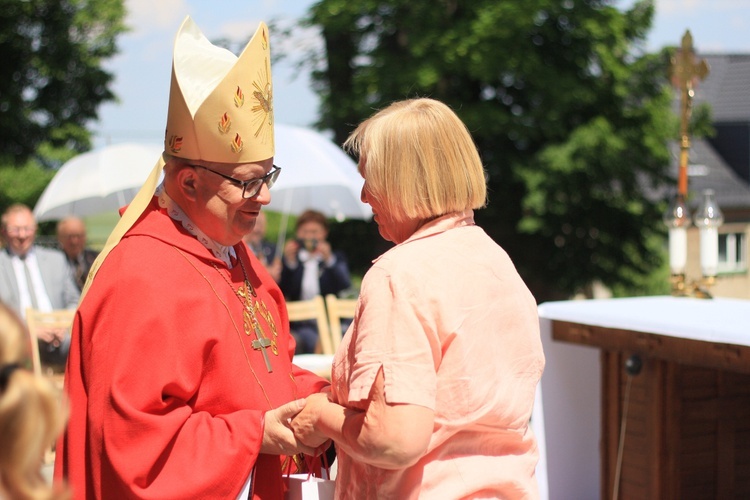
{"x":99,"y":181}
{"x":316,"y":174}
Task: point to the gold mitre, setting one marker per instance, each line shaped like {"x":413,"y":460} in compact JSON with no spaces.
{"x":220,"y":105}
{"x":220,"y":110}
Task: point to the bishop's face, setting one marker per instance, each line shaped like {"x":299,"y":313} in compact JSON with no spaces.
{"x":222,"y":212}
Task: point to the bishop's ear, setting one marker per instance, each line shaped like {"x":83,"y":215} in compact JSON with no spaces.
{"x":187,"y":179}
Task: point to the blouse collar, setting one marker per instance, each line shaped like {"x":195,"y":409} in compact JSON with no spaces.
{"x":439,"y":225}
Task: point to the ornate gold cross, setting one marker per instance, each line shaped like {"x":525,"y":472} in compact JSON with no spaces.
{"x":261,"y":342}
{"x":686,"y":70}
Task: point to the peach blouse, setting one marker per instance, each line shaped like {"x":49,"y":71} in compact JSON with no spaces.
{"x":455,"y":329}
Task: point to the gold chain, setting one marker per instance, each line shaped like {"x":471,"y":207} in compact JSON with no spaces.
{"x":239,"y":335}
{"x":250,"y":320}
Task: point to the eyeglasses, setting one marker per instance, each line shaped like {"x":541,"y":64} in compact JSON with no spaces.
{"x":250,"y":187}
{"x":20,"y":230}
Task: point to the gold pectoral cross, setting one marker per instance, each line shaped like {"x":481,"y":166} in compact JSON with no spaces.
{"x":260,"y":344}
{"x":250,"y":322}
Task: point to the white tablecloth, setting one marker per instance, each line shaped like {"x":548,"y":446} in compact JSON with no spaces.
{"x":566,"y":415}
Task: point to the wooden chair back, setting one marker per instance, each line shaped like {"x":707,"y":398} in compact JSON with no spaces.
{"x":60,"y":319}
{"x":314,"y":309}
{"x":338,"y":309}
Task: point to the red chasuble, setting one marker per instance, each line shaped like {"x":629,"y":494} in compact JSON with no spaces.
{"x":167,"y":390}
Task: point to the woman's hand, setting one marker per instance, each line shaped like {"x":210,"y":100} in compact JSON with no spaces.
{"x":278,"y":438}
{"x":304,"y":423}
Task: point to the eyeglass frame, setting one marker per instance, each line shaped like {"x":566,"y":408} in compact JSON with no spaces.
{"x":20,"y":230}
{"x":269,"y":180}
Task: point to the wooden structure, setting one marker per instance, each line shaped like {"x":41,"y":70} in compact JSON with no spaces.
{"x":60,"y":320}
{"x":313,"y":309}
{"x":338,"y":309}
{"x":687,"y":428}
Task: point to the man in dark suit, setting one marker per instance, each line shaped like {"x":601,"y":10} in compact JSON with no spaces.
{"x":35,"y":277}
{"x":71,"y":234}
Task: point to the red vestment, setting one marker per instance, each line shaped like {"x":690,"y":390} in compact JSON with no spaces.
{"x":167,"y":394}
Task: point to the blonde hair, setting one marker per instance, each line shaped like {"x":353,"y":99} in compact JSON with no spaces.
{"x":419,"y":160}
{"x":30,"y":417}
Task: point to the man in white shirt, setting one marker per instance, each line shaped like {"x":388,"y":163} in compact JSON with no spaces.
{"x":35,"y":277}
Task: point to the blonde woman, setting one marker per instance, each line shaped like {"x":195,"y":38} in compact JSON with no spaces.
{"x":433,"y":384}
{"x":30,"y":417}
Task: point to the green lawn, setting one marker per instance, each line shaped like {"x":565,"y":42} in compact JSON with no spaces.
{"x":99,"y":226}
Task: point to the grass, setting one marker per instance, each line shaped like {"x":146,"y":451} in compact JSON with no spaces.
{"x":99,"y":226}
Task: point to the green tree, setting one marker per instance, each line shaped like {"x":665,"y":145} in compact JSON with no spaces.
{"x":570,"y":115}
{"x":52,"y":52}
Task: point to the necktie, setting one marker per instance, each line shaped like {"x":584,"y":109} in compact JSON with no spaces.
{"x":30,"y":285}
{"x":79,"y":268}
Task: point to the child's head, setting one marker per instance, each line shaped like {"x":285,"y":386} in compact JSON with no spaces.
{"x":30,"y":415}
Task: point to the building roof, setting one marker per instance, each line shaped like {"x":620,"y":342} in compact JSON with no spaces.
{"x":707,"y":170}
{"x":726,"y":88}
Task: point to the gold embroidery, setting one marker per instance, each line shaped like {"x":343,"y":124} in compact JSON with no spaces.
{"x":231,"y":318}
{"x":239,"y":97}
{"x":237,"y":143}
{"x":175,"y":143}
{"x":263,"y":106}
{"x":225,"y":123}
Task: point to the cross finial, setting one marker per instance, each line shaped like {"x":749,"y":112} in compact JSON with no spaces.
{"x":686,"y":71}
{"x":685,"y":68}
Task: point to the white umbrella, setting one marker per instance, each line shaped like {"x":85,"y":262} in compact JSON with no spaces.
{"x":99,"y":181}
{"x":315,"y":174}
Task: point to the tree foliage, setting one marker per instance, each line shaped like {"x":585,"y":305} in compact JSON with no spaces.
{"x":570,"y":115}
{"x":23,"y":184}
{"x":52,"y":53}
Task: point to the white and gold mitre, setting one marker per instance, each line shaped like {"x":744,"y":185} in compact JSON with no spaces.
{"x":220,"y":110}
{"x":220,"y":105}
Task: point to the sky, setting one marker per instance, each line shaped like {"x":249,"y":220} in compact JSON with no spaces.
{"x":142,"y":69}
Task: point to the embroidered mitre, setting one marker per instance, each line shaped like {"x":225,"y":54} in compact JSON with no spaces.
{"x":220,"y":110}
{"x":220,"y":105}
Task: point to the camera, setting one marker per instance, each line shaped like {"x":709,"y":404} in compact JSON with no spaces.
{"x":309,"y":244}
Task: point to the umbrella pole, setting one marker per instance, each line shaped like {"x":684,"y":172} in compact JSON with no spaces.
{"x":281,"y":240}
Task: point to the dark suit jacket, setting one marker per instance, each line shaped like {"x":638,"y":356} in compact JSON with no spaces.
{"x":80,"y":273}
{"x":332,"y":279}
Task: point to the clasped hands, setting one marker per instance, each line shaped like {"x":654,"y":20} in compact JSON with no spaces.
{"x":52,"y":335}
{"x":290,"y":428}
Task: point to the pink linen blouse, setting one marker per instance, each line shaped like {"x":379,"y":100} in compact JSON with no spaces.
{"x":455,"y":329}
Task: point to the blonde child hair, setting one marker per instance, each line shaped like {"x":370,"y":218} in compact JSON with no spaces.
{"x":31,"y":416}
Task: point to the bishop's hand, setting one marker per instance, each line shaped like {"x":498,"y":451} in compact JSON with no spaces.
{"x":278,"y":438}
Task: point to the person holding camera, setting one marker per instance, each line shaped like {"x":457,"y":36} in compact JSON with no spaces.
{"x":309,"y":268}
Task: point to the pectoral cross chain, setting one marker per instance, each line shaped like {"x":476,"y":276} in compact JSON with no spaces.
{"x":261,"y":342}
